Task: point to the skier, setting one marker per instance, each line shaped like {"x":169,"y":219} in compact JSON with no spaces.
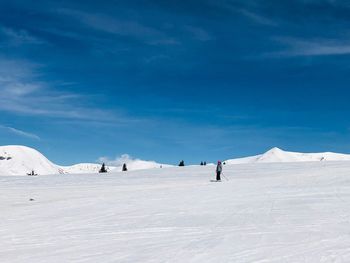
{"x":103,"y":169}
{"x":124,"y":168}
{"x":218,"y":171}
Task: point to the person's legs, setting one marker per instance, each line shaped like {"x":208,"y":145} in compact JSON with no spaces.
{"x":218,"y":176}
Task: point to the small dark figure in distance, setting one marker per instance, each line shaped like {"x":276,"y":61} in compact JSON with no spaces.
{"x":103,"y":169}
{"x":182,"y":163}
{"x":32,"y":173}
{"x":202,"y":163}
{"x":218,"y":171}
{"x":205,"y":163}
{"x":124,"y":167}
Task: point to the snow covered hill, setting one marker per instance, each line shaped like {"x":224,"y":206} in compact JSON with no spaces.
{"x":82,"y":168}
{"x":141,"y":165}
{"x":133,"y":164}
{"x":277,"y":155}
{"x":21,"y":160}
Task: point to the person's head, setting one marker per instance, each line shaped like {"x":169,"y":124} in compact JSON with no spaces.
{"x":219,"y":162}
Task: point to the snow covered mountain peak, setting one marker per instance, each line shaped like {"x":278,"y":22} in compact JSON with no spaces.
{"x":275,"y":150}
{"x":276,"y":155}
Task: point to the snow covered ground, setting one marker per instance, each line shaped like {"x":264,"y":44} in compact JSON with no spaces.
{"x":287,"y":212}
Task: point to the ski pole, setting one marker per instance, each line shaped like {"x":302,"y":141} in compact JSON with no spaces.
{"x":225,"y":177}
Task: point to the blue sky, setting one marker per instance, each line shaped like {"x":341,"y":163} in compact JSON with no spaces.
{"x":172,"y":80}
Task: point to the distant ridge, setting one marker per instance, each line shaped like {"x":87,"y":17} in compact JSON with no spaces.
{"x":21,"y":160}
{"x":276,"y":155}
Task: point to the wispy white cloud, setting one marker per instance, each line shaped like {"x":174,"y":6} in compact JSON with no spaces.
{"x":251,"y":10}
{"x":22,"y":92}
{"x":20,"y":132}
{"x":19,"y":37}
{"x":257,"y":18}
{"x":165,"y":42}
{"x":156,"y":58}
{"x":132,"y":163}
{"x":132,"y":28}
{"x":112,"y":25}
{"x":199,"y":33}
{"x":118,"y":161}
{"x":295,"y":47}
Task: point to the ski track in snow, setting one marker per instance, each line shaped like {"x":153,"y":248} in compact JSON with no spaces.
{"x":295,"y":212}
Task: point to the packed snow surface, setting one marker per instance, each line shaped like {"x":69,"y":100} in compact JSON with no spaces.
{"x":272,"y":212}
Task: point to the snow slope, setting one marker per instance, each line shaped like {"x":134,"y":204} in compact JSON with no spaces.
{"x":277,"y":155}
{"x":82,"y":168}
{"x":281,"y":212}
{"x":20,"y":160}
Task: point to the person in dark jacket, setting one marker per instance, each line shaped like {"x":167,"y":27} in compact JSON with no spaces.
{"x":218,"y":171}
